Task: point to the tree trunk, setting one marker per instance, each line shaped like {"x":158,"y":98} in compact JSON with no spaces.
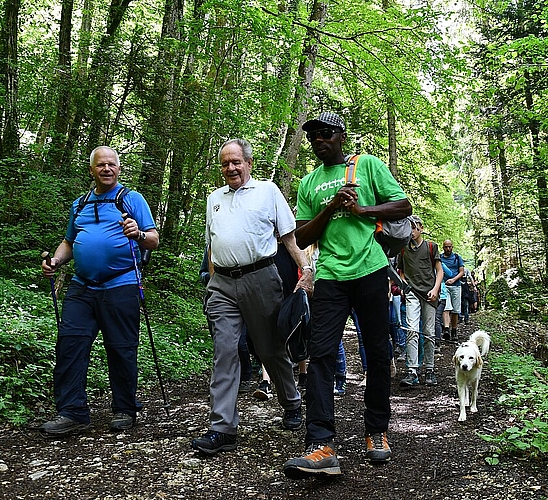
{"x":392,"y":143}
{"x":64,"y":79}
{"x":159,"y":127}
{"x":294,"y":136}
{"x":9,"y":139}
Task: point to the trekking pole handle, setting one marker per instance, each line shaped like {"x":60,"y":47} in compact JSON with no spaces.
{"x":47,"y":257}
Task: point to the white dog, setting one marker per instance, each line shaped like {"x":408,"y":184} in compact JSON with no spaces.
{"x":468,"y":363}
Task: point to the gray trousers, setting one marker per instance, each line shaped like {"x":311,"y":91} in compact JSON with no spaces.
{"x":253,"y":299}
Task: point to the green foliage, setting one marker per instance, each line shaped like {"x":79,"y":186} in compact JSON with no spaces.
{"x":525,"y":395}
{"x":26,"y":348}
{"x":28,"y":333}
{"x":516,"y":292}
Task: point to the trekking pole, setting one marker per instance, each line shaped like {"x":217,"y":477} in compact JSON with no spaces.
{"x":47,"y":257}
{"x":147,"y":321}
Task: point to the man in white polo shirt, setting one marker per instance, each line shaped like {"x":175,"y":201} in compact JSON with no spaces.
{"x":242,"y":220}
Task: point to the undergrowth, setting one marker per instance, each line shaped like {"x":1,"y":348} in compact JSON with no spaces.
{"x":524,"y":380}
{"x":27,"y":348}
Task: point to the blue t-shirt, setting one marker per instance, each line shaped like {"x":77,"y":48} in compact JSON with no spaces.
{"x":100,"y":249}
{"x":451,"y":266}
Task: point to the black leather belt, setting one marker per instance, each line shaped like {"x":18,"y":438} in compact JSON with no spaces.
{"x":238,"y":272}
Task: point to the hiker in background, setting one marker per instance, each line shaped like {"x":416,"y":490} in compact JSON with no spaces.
{"x":242,"y":219}
{"x":351,"y":271}
{"x":467,"y":289}
{"x":420,"y":265}
{"x":103,"y":295}
{"x":455,"y":266}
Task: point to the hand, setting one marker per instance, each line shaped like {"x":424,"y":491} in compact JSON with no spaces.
{"x":130,"y":227}
{"x":346,"y":196}
{"x":49,"y":266}
{"x":306,"y":282}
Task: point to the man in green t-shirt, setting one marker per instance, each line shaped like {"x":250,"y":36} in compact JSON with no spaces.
{"x":351,"y":272}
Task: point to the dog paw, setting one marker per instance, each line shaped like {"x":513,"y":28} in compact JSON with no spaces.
{"x":462,"y":418}
{"x":473,"y":409}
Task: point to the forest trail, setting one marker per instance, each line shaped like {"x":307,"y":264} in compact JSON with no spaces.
{"x":434,"y":456}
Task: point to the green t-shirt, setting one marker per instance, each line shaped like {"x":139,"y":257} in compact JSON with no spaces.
{"x":347,"y":247}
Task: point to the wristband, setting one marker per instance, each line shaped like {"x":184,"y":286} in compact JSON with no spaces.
{"x":304,"y":268}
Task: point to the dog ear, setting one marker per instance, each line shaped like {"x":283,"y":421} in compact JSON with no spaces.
{"x":479,"y":361}
{"x":455,"y":360}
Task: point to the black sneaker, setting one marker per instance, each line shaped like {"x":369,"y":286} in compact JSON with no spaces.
{"x":63,"y":426}
{"x":446,"y":334}
{"x":212,"y":442}
{"x":121,"y":422}
{"x":245,"y":386}
{"x":293,"y":419}
{"x":410,"y":380}
{"x":453,"y":334}
{"x":264,"y":391}
{"x":319,"y":459}
{"x":377,"y":447}
{"x":430,"y":378}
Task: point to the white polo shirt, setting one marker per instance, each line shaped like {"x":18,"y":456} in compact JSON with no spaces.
{"x":241,"y":225}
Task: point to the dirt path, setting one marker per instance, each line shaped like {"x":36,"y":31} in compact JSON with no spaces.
{"x":434,"y":457}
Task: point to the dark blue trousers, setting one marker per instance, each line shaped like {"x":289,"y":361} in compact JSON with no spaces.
{"x":330,"y":308}
{"x":115,"y":312}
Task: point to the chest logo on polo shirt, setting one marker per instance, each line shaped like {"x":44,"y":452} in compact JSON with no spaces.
{"x":217,"y":207}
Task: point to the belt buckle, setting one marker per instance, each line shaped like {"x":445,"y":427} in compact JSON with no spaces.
{"x":236,"y":273}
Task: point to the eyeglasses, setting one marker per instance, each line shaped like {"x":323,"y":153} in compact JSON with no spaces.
{"x":325,"y":133}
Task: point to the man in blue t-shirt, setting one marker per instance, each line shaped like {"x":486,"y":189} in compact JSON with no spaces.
{"x":454,"y":263}
{"x":103,"y":295}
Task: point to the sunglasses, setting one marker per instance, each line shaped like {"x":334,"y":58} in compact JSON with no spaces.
{"x":325,"y":133}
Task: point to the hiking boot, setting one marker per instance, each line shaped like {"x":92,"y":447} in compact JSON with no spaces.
{"x":446,"y":334}
{"x":63,"y":426}
{"x":245,"y":386}
{"x":430,"y":378}
{"x":319,"y":459}
{"x":293,"y":419}
{"x":340,"y":386}
{"x":453,"y":334}
{"x":410,"y":380}
{"x":377,"y":447}
{"x":264,"y":391}
{"x":213,"y":441}
{"x":121,"y":422}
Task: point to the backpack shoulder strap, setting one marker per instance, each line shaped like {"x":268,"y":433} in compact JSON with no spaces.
{"x":351,"y":163}
{"x":82,"y":202}
{"x":431,"y":249}
{"x":118,"y":201}
{"x":119,"y":198}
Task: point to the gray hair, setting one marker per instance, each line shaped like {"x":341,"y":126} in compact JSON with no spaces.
{"x":244,"y":146}
{"x":92,"y":155}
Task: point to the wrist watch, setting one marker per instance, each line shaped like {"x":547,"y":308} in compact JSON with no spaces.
{"x":307,"y":267}
{"x":142,"y":236}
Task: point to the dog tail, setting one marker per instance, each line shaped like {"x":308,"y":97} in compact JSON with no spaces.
{"x":483,"y":341}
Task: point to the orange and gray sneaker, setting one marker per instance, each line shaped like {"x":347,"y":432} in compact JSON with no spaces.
{"x":377,"y":447}
{"x":318,"y":460}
